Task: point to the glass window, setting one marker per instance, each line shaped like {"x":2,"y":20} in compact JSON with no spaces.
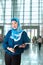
{"x":22,"y":11}
{"x":36,"y":32}
{"x":1,"y":13}
{"x":27,"y":11}
{"x":8,"y":12}
{"x":32,"y":34}
{"x":8,"y":19}
{"x":28,"y":32}
{"x":6,"y":28}
{"x":34,"y":11}
{"x":41,"y":30}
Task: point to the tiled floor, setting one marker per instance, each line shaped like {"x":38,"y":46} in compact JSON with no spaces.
{"x":29,"y":57}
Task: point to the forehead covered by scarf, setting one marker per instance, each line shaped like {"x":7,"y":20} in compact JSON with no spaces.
{"x":17,"y":20}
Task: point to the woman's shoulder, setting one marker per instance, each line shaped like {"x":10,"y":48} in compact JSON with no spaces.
{"x":24,"y":33}
{"x":26,"y":39}
{"x":8,"y":33}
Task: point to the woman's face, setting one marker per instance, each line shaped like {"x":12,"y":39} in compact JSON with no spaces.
{"x":14,"y":24}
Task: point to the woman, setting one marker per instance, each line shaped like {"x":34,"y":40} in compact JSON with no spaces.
{"x":16,"y":36}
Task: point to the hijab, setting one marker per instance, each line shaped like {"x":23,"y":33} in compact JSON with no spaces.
{"x":16,"y":33}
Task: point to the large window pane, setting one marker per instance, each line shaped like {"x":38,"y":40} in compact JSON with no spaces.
{"x":1,"y":13}
{"x":27,"y":11}
{"x":6,"y":28}
{"x":8,"y":12}
{"x":34,"y":11}
{"x":36,"y":32}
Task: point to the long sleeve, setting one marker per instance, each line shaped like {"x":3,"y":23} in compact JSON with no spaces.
{"x":26,"y":39}
{"x":5,"y":41}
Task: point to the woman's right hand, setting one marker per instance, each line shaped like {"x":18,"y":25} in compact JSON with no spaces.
{"x":10,"y":49}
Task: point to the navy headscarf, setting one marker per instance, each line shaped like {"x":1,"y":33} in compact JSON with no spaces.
{"x":16,"y":33}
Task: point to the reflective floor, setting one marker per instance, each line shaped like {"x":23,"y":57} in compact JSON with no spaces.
{"x":32,"y":56}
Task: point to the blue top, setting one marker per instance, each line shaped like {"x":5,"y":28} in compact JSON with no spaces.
{"x":8,"y":42}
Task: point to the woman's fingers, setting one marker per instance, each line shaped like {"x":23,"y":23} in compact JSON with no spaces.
{"x":22,"y":46}
{"x":11,"y":49}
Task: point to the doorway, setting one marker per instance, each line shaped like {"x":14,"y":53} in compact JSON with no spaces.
{"x":31,"y":31}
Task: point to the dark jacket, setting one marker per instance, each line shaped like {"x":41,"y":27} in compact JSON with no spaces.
{"x":8,"y":42}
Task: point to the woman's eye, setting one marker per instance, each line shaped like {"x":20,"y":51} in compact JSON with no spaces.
{"x":15,"y":22}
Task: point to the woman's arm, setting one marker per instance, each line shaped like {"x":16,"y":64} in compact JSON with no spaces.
{"x":5,"y":41}
{"x":26,"y":39}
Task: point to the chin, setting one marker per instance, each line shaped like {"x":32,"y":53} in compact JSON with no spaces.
{"x":15,"y":28}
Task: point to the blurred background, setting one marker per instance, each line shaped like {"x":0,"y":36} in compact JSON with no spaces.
{"x":30,"y":13}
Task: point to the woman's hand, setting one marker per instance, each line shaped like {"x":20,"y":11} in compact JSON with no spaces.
{"x":22,"y":46}
{"x":11,"y":49}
